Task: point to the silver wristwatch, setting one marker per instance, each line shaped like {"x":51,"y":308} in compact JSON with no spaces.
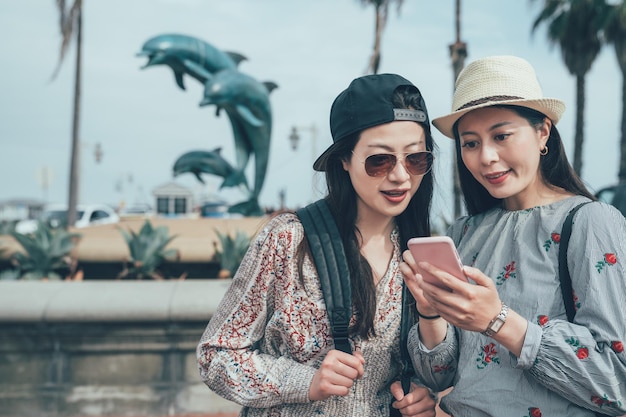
{"x":496,"y":324}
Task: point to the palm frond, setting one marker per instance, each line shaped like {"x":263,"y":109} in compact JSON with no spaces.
{"x":67,"y":25}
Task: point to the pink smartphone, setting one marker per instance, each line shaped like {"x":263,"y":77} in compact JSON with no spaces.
{"x":440,"y":252}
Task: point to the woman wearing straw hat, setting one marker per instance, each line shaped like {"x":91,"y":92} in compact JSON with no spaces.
{"x":504,"y":341}
{"x":269,"y":346}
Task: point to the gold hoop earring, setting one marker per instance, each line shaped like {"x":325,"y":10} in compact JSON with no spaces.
{"x":544,"y":151}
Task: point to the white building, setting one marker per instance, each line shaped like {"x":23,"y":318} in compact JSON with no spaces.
{"x":20,"y":209}
{"x":173,"y":199}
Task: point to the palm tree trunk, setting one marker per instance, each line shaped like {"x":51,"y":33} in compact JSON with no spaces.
{"x":381,"y":17}
{"x":74,"y":186}
{"x":458,"y":53}
{"x":580,"y":124}
{"x":618,"y":35}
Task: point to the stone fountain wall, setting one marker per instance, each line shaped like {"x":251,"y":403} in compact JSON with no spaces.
{"x":105,"y":348}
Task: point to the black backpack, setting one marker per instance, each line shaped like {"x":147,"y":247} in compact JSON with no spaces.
{"x":330,"y":260}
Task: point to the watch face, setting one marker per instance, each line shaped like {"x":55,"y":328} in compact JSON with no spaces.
{"x":496,"y":325}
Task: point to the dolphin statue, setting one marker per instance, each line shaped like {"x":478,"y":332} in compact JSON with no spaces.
{"x":246,"y":101}
{"x":188,"y":55}
{"x":205,"y":162}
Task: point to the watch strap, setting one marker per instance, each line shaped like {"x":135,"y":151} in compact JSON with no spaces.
{"x":501,"y":317}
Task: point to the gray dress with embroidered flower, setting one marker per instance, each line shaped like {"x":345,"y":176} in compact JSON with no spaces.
{"x":565,"y":369}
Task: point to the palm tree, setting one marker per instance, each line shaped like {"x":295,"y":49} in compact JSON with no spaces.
{"x":575,"y":25}
{"x":458,"y":53}
{"x":71,"y":26}
{"x":382,"y":8}
{"x":615,"y":32}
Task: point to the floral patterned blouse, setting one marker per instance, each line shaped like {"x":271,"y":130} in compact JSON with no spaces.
{"x":565,"y":369}
{"x":271,"y":332}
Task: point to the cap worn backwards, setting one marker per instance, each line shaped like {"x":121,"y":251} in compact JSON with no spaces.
{"x":367,"y":102}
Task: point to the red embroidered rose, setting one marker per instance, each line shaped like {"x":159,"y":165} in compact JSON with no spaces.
{"x":610,"y":258}
{"x":576,"y":303}
{"x":508,"y":272}
{"x":556,"y":237}
{"x":488,"y":355}
{"x":510,"y":267}
{"x":617,"y":346}
{"x":534,"y":412}
{"x":542,"y":319}
{"x":596,"y":400}
{"x":442,"y":368}
{"x":582,"y":353}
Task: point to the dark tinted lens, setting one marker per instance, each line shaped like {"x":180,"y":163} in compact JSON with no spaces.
{"x":419,"y":163}
{"x":379,"y":165}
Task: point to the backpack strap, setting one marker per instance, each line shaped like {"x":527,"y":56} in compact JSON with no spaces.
{"x":330,"y":260}
{"x":564,"y":276}
{"x":406,"y":322}
{"x":332,"y":268}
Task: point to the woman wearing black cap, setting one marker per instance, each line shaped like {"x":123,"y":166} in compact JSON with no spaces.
{"x":269,"y":346}
{"x":519,"y":341}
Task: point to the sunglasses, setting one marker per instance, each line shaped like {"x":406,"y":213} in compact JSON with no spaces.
{"x":381,"y":164}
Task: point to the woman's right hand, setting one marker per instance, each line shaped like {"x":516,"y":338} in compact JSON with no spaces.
{"x":409,"y":270}
{"x":336,"y":374}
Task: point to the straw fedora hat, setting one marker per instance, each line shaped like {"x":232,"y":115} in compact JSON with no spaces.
{"x":497,"y":80}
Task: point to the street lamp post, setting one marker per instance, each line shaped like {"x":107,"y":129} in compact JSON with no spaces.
{"x":44,"y":176}
{"x":294,"y":139}
{"x":98,"y":153}
{"x":124,"y":177}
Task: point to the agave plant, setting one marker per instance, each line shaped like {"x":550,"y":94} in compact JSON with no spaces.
{"x":232,"y":252}
{"x":147,"y":251}
{"x":6,"y":227}
{"x":47,"y":253}
{"x":10,"y":274}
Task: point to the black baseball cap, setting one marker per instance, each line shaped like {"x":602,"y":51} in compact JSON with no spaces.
{"x":367,"y":103}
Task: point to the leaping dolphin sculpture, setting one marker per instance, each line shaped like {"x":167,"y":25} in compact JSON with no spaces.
{"x":187,"y":55}
{"x":246,"y":101}
{"x":205,"y":162}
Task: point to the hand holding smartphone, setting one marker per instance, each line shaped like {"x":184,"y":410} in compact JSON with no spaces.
{"x":438,"y":251}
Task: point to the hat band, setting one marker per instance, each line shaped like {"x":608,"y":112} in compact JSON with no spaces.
{"x":409,"y":114}
{"x":487,"y":100}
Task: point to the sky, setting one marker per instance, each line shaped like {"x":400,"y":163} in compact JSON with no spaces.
{"x":311,"y":49}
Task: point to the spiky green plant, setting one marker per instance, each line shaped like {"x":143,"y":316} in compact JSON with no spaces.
{"x":232,"y":251}
{"x":10,"y":274}
{"x":147,"y":251}
{"x":47,"y":253}
{"x":6,"y":227}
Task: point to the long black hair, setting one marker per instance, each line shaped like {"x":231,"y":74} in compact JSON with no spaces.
{"x":342,"y":199}
{"x":555,"y":168}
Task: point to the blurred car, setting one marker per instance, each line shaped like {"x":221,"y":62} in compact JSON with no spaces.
{"x":217,"y":209}
{"x":614,"y":195}
{"x":56,"y":216}
{"x":137,"y":210}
